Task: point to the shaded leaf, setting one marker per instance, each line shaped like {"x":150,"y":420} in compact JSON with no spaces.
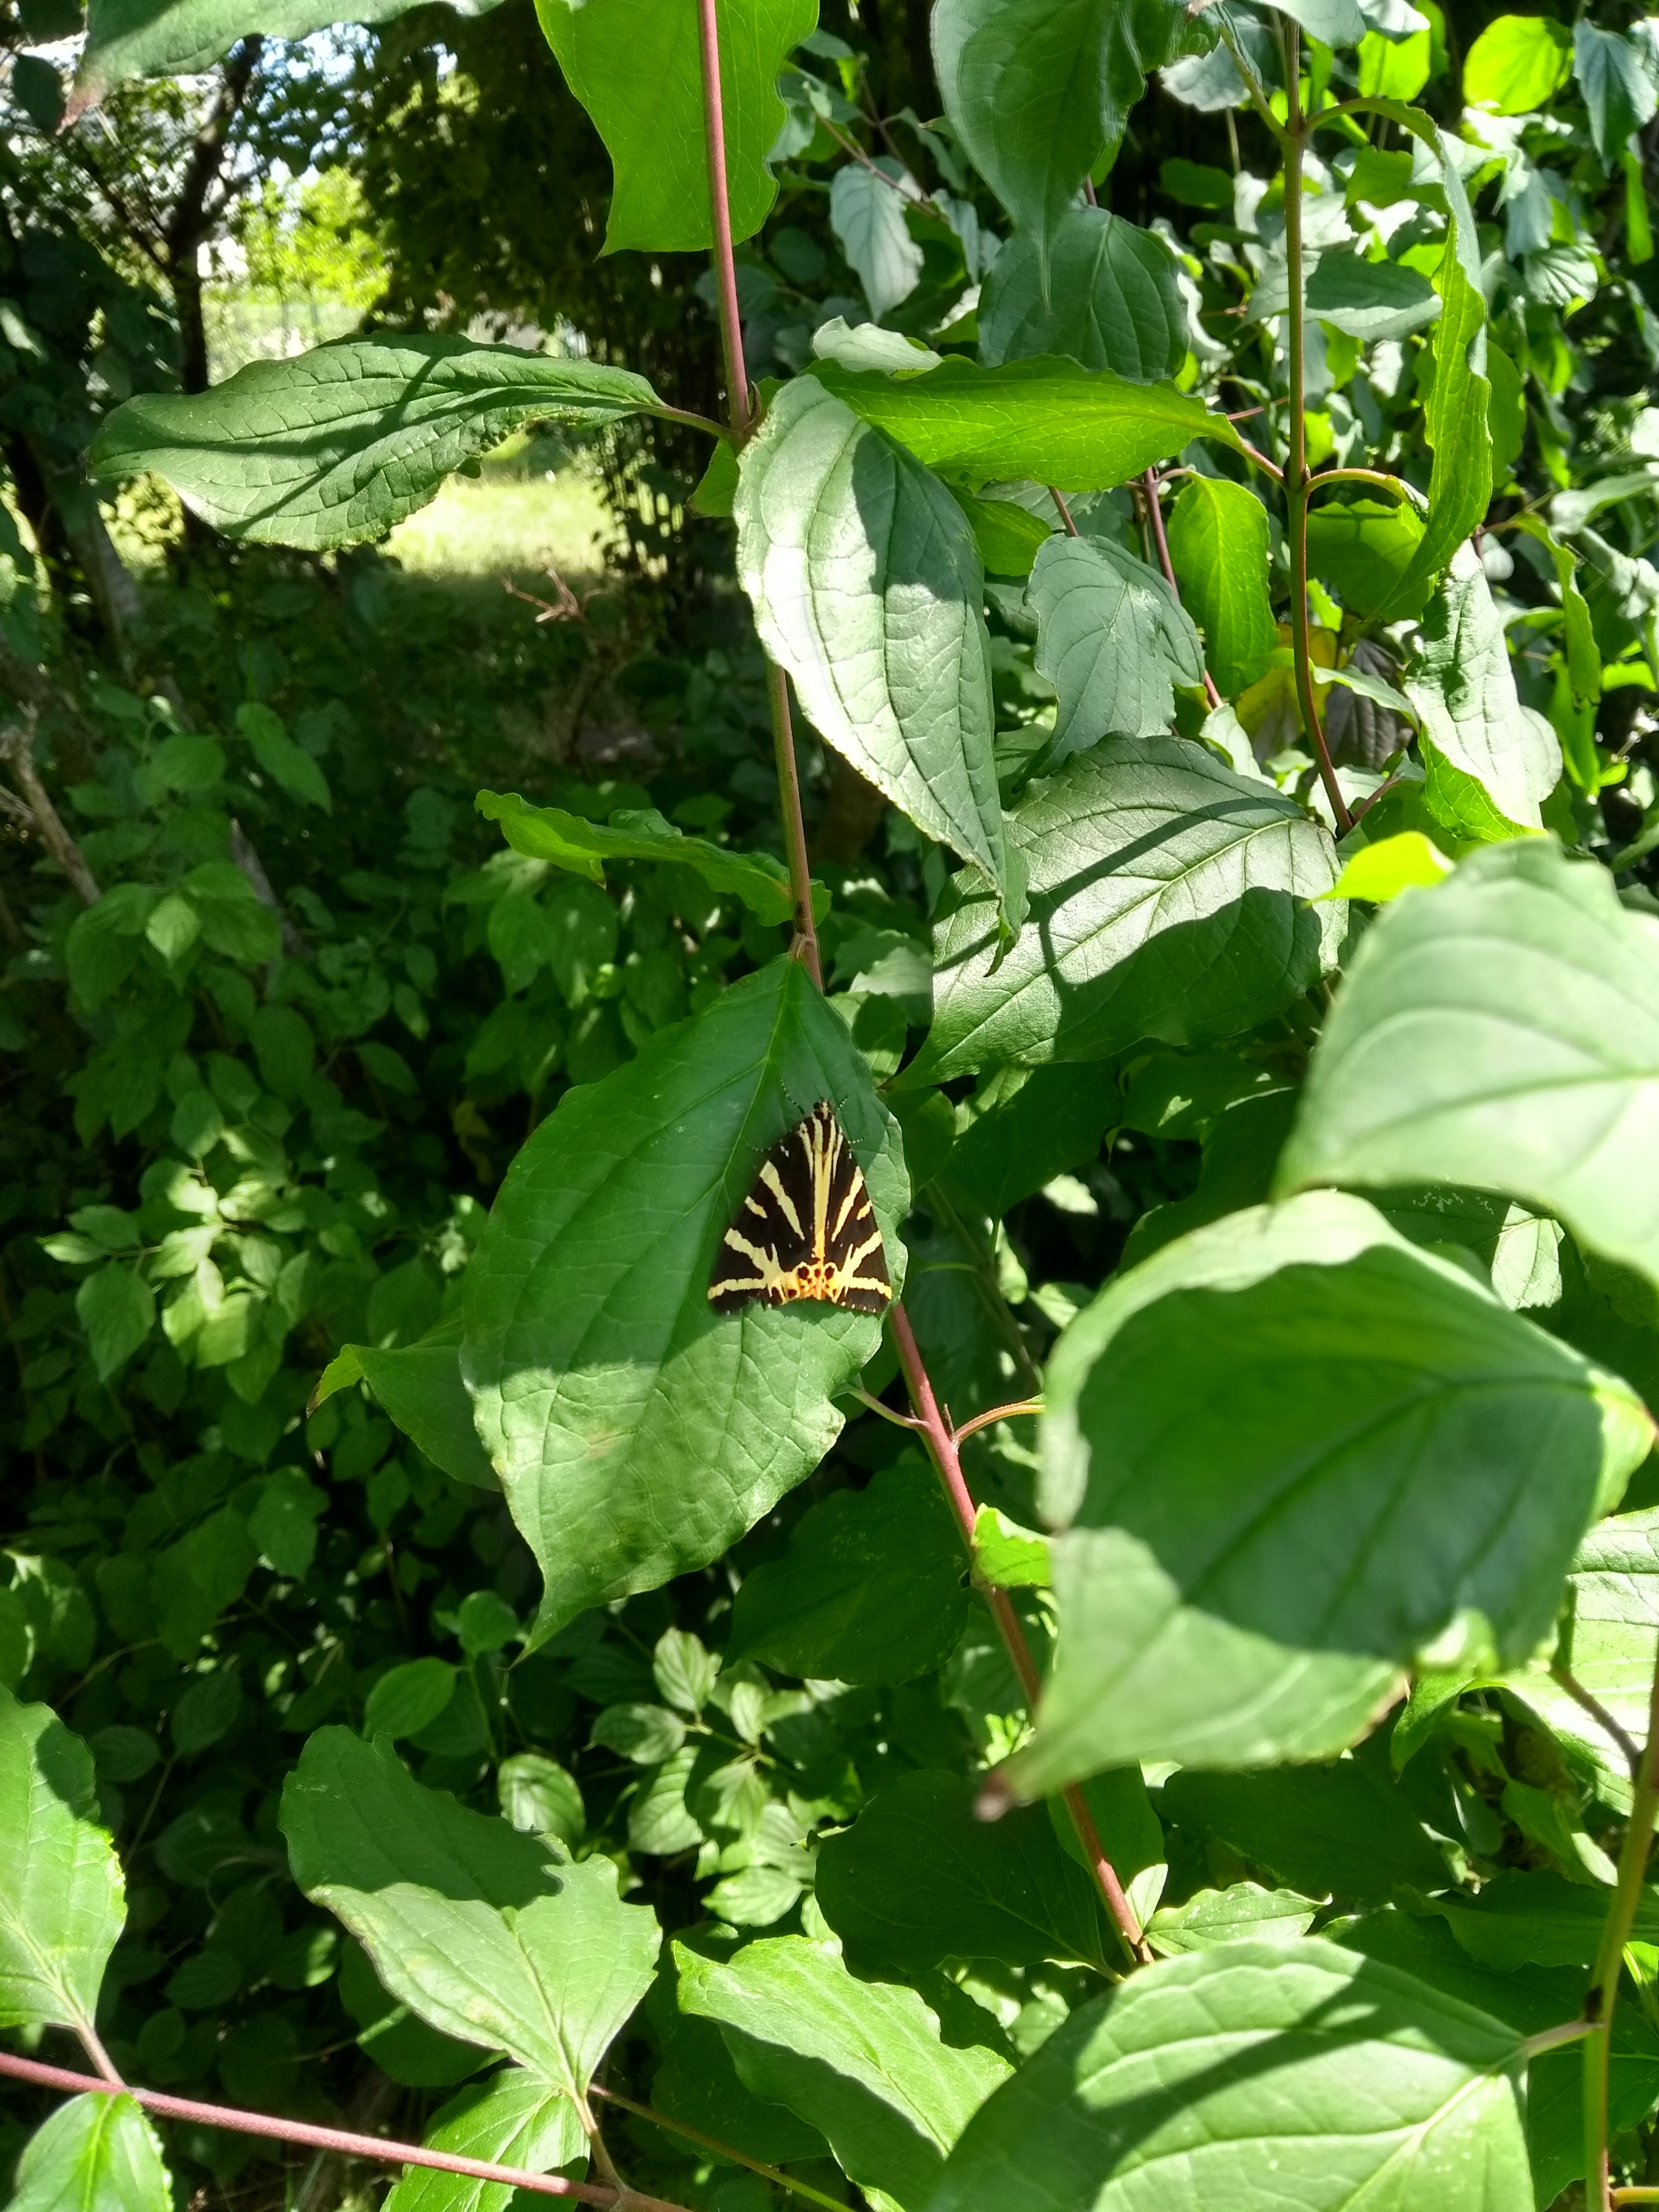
{"x":1113,"y":640}
{"x":63,"y":1901}
{"x":338,"y":444}
{"x":1111,"y":302}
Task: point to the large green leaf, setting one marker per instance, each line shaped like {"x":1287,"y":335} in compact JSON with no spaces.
{"x":1617,"y":88}
{"x":420,"y":1386}
{"x":61,"y":1899}
{"x":871,"y":1589}
{"x":867,"y":588}
{"x":918,"y":1879}
{"x":1114,"y":641}
{"x":1168,"y":899}
{"x":1531,"y":2000}
{"x":636,"y":67}
{"x":1263,"y":2074}
{"x":862,"y":2062}
{"x":1500,"y":1029}
{"x":1326,"y":1830}
{"x":1608,"y":1637}
{"x":505,"y":1948}
{"x":1380,"y":1455}
{"x":1463,"y":686}
{"x":342,"y":442}
{"x":1111,"y":301}
{"x":1038,"y":91}
{"x":1218,"y":543}
{"x":569,"y":841}
{"x":95,"y":2154}
{"x":178,"y":37}
{"x":513,"y":2119}
{"x":1049,"y":419}
{"x":1516,"y":62}
{"x":636,"y":1432}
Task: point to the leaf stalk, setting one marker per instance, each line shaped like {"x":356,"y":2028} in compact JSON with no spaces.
{"x":1609,"y":1962}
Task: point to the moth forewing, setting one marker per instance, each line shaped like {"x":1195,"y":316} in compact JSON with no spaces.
{"x":805,"y":1229}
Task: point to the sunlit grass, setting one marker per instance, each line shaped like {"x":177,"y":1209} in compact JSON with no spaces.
{"x":486,"y":526}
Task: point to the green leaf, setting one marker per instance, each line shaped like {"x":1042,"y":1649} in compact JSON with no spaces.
{"x":871,"y":1589}
{"x":95,"y":2154}
{"x":636,"y":1432}
{"x":1364,"y":549}
{"x":62,"y":1902}
{"x":1037,"y":1123}
{"x":1455,"y":415}
{"x":341,"y":443}
{"x":1370,"y":299}
{"x":1381,"y":1455}
{"x":286,"y":763}
{"x":920,"y":1879}
{"x":1050,"y":420}
{"x":1531,"y":2000}
{"x":1241,"y":1911}
{"x":1007,"y":1556}
{"x":1009,"y":538}
{"x":470,"y":1924}
{"x":1333,"y":22}
{"x":1500,"y":1030}
{"x":568,"y":841}
{"x":1038,"y":91}
{"x":541,"y":1797}
{"x":408,"y":1698}
{"x":1281,"y":2073}
{"x":116,"y":1307}
{"x":1607,"y":1642}
{"x":181,"y":37}
{"x":1619,"y":91}
{"x":646,"y":1734}
{"x":513,"y":2119}
{"x":867,"y":216}
{"x":234,"y":920}
{"x":1218,"y":543}
{"x":1324,"y":1829}
{"x":420,"y":1386}
{"x":1516,"y":64}
{"x":1112,"y":301}
{"x":862,"y":2062}
{"x":1463,"y":687}
{"x":1113,"y":639}
{"x":638,"y":72}
{"x":1526,"y":1919}
{"x":867,"y":588}
{"x":1168,"y":899}
{"x":1381,"y":872}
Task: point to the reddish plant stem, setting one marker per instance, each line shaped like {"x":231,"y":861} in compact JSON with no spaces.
{"x":743,"y":424}
{"x":1065,"y":511}
{"x":942,"y":1443}
{"x":335,"y":2139}
{"x":719,"y":212}
{"x":1155,"y":513}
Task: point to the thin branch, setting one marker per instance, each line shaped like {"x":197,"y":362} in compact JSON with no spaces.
{"x":744,"y":418}
{"x":1268,"y":467}
{"x":997,"y":1413}
{"x":1295,"y":142}
{"x":1599,"y":1713}
{"x":336,"y":2139}
{"x":17,"y":751}
{"x":942,"y":1446}
{"x":1610,"y":1958}
{"x":874,"y":1405}
{"x":1065,"y":512}
{"x":722,"y":2149}
{"x":1155,"y":515}
{"x":1552,"y":2038}
{"x":692,"y":421}
{"x":922,"y":201}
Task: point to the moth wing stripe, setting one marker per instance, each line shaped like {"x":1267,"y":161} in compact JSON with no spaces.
{"x":852,"y":1192}
{"x":861,"y":1252}
{"x":774,"y":1181}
